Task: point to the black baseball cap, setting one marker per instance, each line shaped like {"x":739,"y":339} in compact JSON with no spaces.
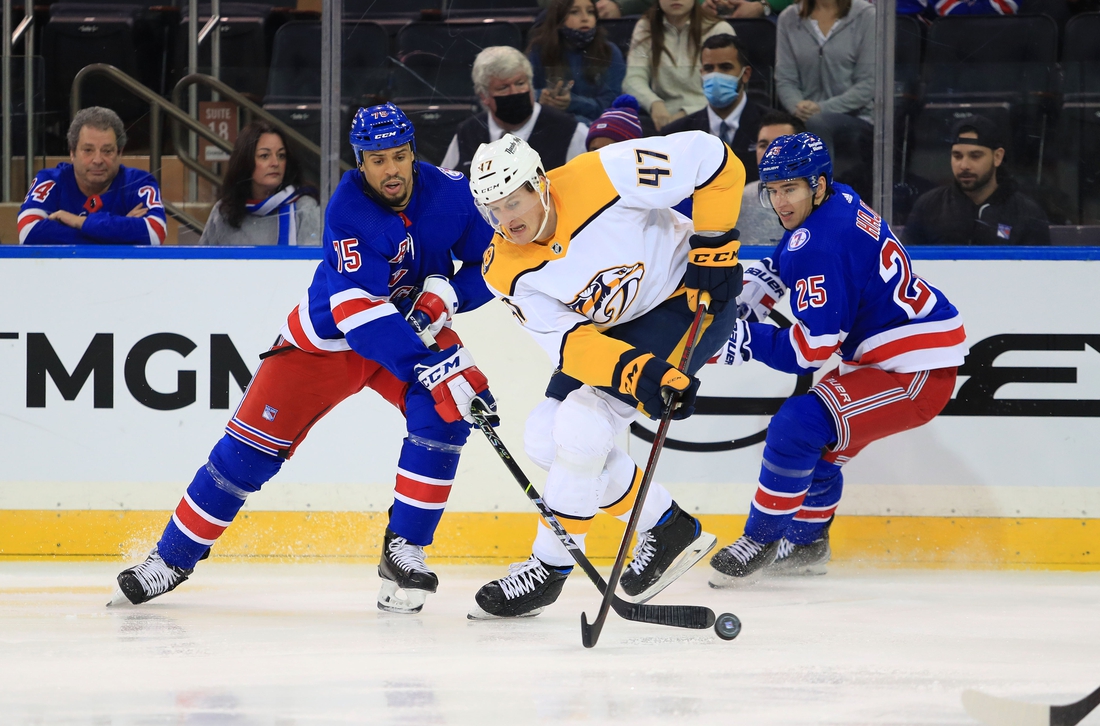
{"x":988,"y":133}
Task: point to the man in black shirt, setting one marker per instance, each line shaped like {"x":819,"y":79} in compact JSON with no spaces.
{"x":978,"y":209}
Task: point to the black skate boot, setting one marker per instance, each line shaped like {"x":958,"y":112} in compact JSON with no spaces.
{"x":402,"y":568}
{"x":741,"y":562}
{"x":665,"y":552}
{"x":529,"y":587}
{"x":795,"y":559}
{"x":150,"y":579}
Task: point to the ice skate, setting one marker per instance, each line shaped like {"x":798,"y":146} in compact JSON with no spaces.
{"x":663,"y":553}
{"x":406,"y":580}
{"x":795,"y":559}
{"x":742,"y":562}
{"x":150,"y":579}
{"x":527,"y":589}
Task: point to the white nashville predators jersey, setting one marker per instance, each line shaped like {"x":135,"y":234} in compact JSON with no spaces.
{"x":618,"y":250}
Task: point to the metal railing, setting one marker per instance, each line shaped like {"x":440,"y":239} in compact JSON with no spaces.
{"x":26,"y":32}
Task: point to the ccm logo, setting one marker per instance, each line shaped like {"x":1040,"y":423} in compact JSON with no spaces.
{"x":444,"y":369}
{"x":387,"y":135}
{"x":703,"y":257}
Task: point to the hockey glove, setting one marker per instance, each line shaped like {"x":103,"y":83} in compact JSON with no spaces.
{"x":434,"y":306}
{"x":762,"y":290}
{"x":455,"y":382}
{"x":651,"y":381}
{"x":713,"y":266}
{"x":736,"y":350}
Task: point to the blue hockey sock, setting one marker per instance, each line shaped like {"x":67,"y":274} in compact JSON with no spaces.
{"x":213,"y":499}
{"x":425,"y":473}
{"x":819,"y":507}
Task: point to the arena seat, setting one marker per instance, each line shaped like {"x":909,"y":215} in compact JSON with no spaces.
{"x":244,"y":58}
{"x":1079,"y":124}
{"x":434,"y":59}
{"x":493,"y":7}
{"x":757,"y":37}
{"x":365,"y":9}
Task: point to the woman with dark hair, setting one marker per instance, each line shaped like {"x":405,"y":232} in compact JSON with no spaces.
{"x":262,"y":202}
{"x":576,"y":68}
{"x":662,"y":68}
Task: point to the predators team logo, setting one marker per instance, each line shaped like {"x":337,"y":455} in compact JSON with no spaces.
{"x":609,"y":294}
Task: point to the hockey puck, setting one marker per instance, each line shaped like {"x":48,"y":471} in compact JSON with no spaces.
{"x":727,"y":625}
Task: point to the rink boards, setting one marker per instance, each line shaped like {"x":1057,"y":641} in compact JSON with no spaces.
{"x":153,"y":350}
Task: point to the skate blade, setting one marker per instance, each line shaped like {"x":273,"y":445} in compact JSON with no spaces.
{"x":694,"y":552}
{"x":721,"y":581}
{"x":803,"y":571}
{"x":393,"y":599}
{"x":118,"y":598}
{"x":478,"y":614}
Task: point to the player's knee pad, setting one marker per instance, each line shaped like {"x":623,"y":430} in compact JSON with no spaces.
{"x":538,"y":434}
{"x":584,"y":433}
{"x":241,"y":466}
{"x":801,"y":426}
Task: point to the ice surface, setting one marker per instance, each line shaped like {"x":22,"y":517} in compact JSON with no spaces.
{"x":302,"y":643}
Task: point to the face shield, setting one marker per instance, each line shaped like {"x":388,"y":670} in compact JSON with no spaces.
{"x":788,"y":191}
{"x":502,"y":213}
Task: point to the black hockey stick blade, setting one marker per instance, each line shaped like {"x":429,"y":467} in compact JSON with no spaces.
{"x":996,"y":711}
{"x":590,"y":632}
{"x":695,"y":617}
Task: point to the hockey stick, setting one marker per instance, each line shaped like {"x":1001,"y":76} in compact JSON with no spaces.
{"x":996,"y":711}
{"x":678,"y":616}
{"x":590,"y":633}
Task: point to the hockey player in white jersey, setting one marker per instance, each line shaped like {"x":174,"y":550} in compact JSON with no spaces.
{"x":595,"y":265}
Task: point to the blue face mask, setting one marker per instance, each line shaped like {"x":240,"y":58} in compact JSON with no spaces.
{"x":721,"y":89}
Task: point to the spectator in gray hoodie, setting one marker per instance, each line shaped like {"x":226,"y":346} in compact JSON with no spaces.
{"x":825,"y":75}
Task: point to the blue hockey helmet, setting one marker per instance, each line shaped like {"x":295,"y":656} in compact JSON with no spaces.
{"x":380,"y":127}
{"x":801,"y":156}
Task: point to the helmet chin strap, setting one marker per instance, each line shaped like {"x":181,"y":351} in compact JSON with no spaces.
{"x":544,"y":197}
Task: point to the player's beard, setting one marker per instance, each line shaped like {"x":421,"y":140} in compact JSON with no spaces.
{"x":976,"y":182}
{"x":391,"y":200}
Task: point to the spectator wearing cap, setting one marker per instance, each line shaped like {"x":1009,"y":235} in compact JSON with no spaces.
{"x":983,"y":206}
{"x":758,"y":223}
{"x":503,"y":81}
{"x":576,"y":68}
{"x":729,"y":114}
{"x":618,"y":123}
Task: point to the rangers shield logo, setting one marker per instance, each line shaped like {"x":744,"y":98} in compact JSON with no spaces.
{"x":608,"y":295}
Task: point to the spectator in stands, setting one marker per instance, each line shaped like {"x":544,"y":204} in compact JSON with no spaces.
{"x":611,"y":9}
{"x":576,"y":69}
{"x":503,"y":81}
{"x":95,"y":199}
{"x":983,"y":206}
{"x":825,"y":75}
{"x":618,"y":123}
{"x":262,"y":200}
{"x":661,"y":67}
{"x":746,"y":8}
{"x":758,"y":222}
{"x":729,"y":114}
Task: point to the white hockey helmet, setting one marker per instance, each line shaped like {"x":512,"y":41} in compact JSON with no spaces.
{"x":502,"y":167}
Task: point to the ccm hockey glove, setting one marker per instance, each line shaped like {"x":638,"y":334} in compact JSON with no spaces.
{"x":455,"y":382}
{"x":435,"y":305}
{"x":763,"y":289}
{"x":736,"y":350}
{"x":713,"y":266}
{"x":651,"y":380}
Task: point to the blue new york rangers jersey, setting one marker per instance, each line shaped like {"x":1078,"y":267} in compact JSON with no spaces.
{"x":106,"y":223}
{"x":853,"y":291}
{"x":374,"y":258}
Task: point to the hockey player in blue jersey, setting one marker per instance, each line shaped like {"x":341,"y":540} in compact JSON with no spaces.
{"x":93,"y":200}
{"x":854,"y":293}
{"x":391,"y":229}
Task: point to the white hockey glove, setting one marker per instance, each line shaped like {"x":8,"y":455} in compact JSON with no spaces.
{"x":434,"y":306}
{"x":736,"y":350}
{"x":763,"y":289}
{"x":455,"y":381}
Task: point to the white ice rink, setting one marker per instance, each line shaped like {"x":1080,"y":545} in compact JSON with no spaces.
{"x":291,"y":643}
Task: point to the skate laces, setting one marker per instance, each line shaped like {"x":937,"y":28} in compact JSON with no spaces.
{"x":408,"y":557}
{"x":643,"y":552}
{"x":155,"y":575}
{"x":523,"y":577}
{"x":745,"y":548}
{"x":786,"y":547}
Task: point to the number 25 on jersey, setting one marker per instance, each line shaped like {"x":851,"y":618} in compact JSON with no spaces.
{"x":811,"y":292}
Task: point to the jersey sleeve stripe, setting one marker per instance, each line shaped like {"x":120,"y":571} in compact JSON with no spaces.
{"x":26,"y":221}
{"x":156,"y":229}
{"x":353,"y":293}
{"x":299,"y":332}
{"x":345,"y":310}
{"x":812,"y":350}
{"x":355,"y":320}
{"x":914,"y":342}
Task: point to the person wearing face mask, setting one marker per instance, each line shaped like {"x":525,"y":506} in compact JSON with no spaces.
{"x":729,"y":114}
{"x":503,"y":80}
{"x":576,"y":69}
